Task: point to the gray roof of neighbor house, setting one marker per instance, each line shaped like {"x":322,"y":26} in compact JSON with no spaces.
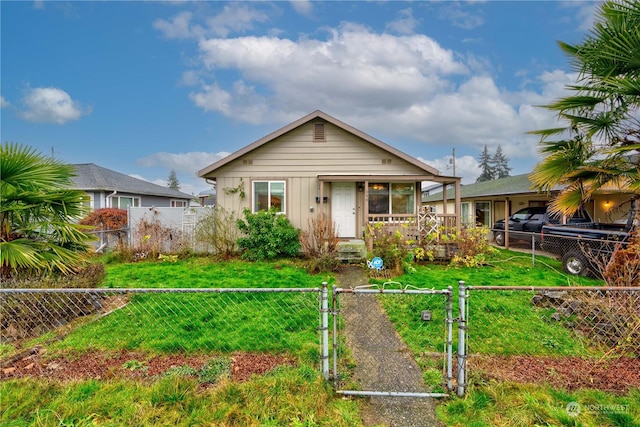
{"x":518,"y":184}
{"x":91,"y":177}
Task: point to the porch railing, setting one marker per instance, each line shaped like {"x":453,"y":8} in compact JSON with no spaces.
{"x":407,"y":224}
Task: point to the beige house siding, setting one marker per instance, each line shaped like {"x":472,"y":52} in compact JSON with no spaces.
{"x":297,"y":160}
{"x":310,"y":168}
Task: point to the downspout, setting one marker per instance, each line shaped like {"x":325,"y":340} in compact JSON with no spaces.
{"x":110,"y":196}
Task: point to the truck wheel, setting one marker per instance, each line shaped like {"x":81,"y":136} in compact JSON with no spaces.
{"x":574,"y":263}
{"x":499,"y":237}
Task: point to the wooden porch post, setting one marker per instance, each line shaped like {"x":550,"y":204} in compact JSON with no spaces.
{"x":458,"y":211}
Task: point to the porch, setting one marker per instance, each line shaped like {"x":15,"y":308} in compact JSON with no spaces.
{"x":391,"y":202}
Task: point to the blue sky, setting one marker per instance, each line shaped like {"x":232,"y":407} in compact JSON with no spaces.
{"x":145,"y":87}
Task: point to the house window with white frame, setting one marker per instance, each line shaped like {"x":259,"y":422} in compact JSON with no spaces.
{"x":269,"y":194}
{"x":392,"y":198}
{"x":178,"y":203}
{"x":123,"y":202}
{"x":465,"y":214}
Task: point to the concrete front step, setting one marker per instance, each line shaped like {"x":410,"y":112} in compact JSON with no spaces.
{"x":353,"y":250}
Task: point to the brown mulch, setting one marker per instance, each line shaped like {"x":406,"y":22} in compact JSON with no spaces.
{"x":134,"y":365}
{"x":617,"y":375}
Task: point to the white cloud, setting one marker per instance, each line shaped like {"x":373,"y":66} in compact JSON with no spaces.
{"x":405,"y":23}
{"x":51,"y":105}
{"x":466,"y":167}
{"x":178,"y":28}
{"x":397,"y":87}
{"x":352,"y":68}
{"x":234,"y":17}
{"x":4,"y":103}
{"x":461,"y":18}
{"x":181,"y":162}
{"x":303,"y":7}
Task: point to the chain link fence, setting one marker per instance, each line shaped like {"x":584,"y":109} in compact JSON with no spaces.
{"x":90,"y":322}
{"x":392,"y":342}
{"x":570,"y":337}
{"x":580,"y":256}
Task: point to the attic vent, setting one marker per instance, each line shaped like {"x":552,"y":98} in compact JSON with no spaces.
{"x":318,"y":132}
{"x":386,"y":161}
{"x":247,"y":162}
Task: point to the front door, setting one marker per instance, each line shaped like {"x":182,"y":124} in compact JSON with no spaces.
{"x":343,"y":208}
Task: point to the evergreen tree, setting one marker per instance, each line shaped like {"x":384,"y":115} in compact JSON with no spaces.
{"x":173,"y":182}
{"x":501,"y":167}
{"x":486,"y":165}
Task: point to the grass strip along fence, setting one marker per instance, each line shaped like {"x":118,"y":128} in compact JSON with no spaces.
{"x":214,"y":320}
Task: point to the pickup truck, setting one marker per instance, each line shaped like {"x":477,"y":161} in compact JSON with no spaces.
{"x":528,"y":222}
{"x":586,"y":250}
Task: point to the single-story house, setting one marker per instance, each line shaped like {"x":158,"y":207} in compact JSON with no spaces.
{"x":319,"y":165}
{"x":111,"y":189}
{"x":486,"y":202}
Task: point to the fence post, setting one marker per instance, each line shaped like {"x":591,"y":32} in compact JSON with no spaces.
{"x":334,"y":313}
{"x":450,"y":339}
{"x":324,"y":309}
{"x":462,"y":326}
{"x":533,"y":250}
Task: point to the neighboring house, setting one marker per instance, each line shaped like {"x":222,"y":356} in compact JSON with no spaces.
{"x":486,"y":202}
{"x":111,"y":189}
{"x":207,"y":198}
{"x":319,"y":165}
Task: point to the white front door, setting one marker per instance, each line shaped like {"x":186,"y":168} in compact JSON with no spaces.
{"x":343,"y":208}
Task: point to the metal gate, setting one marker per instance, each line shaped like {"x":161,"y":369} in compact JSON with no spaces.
{"x":370,"y":356}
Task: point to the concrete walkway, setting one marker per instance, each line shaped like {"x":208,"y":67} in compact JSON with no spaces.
{"x":388,"y":367}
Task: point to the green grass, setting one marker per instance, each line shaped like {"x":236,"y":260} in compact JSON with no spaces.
{"x":511,"y":404}
{"x":285,"y":397}
{"x":503,"y":323}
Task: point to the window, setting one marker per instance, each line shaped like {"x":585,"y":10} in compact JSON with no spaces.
{"x":269,"y":194}
{"x":483,"y":213}
{"x":465,"y":216}
{"x":391,"y":198}
{"x":122,"y":202}
{"x":178,"y":204}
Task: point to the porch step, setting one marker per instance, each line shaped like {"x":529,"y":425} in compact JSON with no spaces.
{"x":353,"y":250}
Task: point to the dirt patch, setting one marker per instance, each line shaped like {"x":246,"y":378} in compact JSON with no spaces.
{"x":133,"y":365}
{"x":617,"y":375}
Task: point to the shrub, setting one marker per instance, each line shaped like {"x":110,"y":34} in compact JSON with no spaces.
{"x":109,"y":222}
{"x":391,"y":247}
{"x":151,"y":238}
{"x":624,"y":267}
{"x":269,"y":235}
{"x":473,"y":246}
{"x":218,"y":230}
{"x":320,"y":238}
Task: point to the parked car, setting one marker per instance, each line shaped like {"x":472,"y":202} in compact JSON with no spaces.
{"x":585,"y":251}
{"x":528,"y":222}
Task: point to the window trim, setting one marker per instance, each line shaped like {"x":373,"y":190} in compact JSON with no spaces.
{"x":283,"y":210}
{"x":389,"y":185}
{"x":114,"y":201}
{"x":174,"y":203}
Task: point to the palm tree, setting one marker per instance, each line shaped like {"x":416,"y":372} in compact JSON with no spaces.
{"x":39,"y":213}
{"x":603,"y":131}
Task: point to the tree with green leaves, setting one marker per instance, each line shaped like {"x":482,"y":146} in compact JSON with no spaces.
{"x":173,"y":182}
{"x":39,"y":214}
{"x":599,"y":146}
{"x":486,"y":165}
{"x":500,"y":163}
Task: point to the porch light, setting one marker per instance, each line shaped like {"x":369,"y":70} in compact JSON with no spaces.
{"x":361,"y":187}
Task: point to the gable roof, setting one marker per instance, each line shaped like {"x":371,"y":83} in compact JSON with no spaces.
{"x":91,"y":177}
{"x":510,"y":185}
{"x":330,"y":119}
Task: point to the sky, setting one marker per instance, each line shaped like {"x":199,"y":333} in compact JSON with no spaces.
{"x":145,"y":87}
